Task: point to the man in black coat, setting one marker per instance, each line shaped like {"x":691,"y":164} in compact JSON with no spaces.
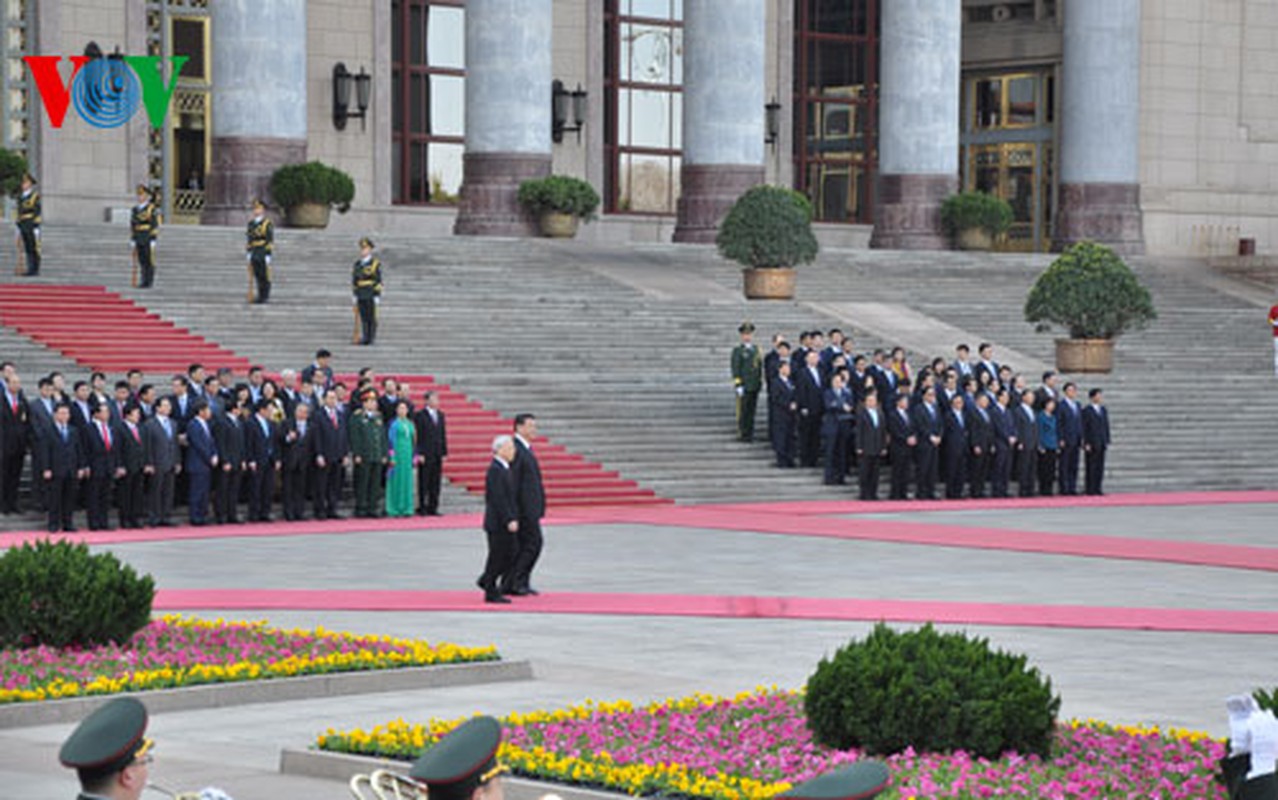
{"x":954,"y":448}
{"x":432,"y":447}
{"x":901,"y":443}
{"x":1069,"y":427}
{"x":1026,"y":443}
{"x":101,"y":444}
{"x":228,"y":435}
{"x":501,"y":520}
{"x":15,"y":436}
{"x":530,"y":495}
{"x":809,"y":395}
{"x":201,"y":461}
{"x":332,"y":453}
{"x":300,"y":446}
{"x":870,"y":443}
{"x":1004,"y":443}
{"x":1095,"y":441}
{"x":62,"y":465}
{"x":263,"y":455}
{"x":131,"y":484}
{"x":929,"y":427}
{"x":782,"y":410}
{"x":980,"y":427}
{"x":163,"y":463}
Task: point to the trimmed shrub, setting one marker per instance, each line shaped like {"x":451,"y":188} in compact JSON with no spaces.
{"x":1268,"y":701}
{"x":1090,"y":292}
{"x":768,"y":226}
{"x":559,"y":193}
{"x":12,"y":168}
{"x":931,"y":691}
{"x":976,"y":210}
{"x":312,"y":182}
{"x":60,"y":595}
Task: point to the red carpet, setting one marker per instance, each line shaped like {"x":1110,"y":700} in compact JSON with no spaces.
{"x":745,"y":607}
{"x":831,"y":507}
{"x":105,"y":331}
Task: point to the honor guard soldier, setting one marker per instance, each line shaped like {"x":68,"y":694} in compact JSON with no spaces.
{"x":861,"y":780}
{"x":747,"y":377}
{"x":110,"y":752}
{"x":29,"y":224}
{"x":145,"y":224}
{"x":261,"y":244}
{"x":463,"y":765}
{"x":366,"y":285}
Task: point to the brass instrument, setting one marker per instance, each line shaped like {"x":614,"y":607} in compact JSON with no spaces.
{"x":386,"y":785}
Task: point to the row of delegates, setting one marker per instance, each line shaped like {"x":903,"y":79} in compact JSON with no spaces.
{"x":970,"y":424}
{"x":514,"y":503}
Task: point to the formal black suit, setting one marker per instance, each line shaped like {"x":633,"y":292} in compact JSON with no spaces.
{"x":1001,"y":466}
{"x":871,"y":435}
{"x":201,"y":463}
{"x":15,"y":437}
{"x":980,"y":426}
{"x":62,"y":460}
{"x":808,"y":393}
{"x":102,"y":457}
{"x":432,"y":447}
{"x":837,"y":423}
{"x":1096,"y":442}
{"x":900,"y":427}
{"x":781,"y":420}
{"x":228,"y":436}
{"x":955,"y":446}
{"x":500,"y":509}
{"x":130,"y":487}
{"x":300,"y":448}
{"x":927,"y":424}
{"x":164,"y":459}
{"x":1069,"y":428}
{"x":530,"y":496}
{"x":334,"y":446}
{"x":1026,"y":424}
{"x":263,"y":454}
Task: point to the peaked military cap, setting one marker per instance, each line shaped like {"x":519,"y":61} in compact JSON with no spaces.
{"x":366,"y":242}
{"x":108,"y":740}
{"x":30,"y":178}
{"x":859,"y":781}
{"x":142,"y":187}
{"x":462,"y":761}
{"x":746,"y":327}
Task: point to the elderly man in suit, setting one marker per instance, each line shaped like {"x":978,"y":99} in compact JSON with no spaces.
{"x":300,"y":446}
{"x":530,"y":496}
{"x":163,"y":463}
{"x":332,"y":454}
{"x":501,"y":520}
{"x":871,"y":441}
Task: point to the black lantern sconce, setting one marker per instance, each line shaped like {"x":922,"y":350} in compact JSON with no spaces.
{"x":772,"y":123}
{"x":342,"y":80}
{"x":564,"y":105}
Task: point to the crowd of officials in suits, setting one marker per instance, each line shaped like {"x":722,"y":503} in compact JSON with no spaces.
{"x":969,"y":427}
{"x":226,"y":445}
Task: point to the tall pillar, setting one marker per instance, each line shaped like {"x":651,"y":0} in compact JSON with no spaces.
{"x":920,"y":56}
{"x":259,"y":101}
{"x":724,"y":45}
{"x":508,"y":99}
{"x":1100,"y":126}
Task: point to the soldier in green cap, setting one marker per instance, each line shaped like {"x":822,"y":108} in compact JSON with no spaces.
{"x":860,"y":780}
{"x":368,"y":450}
{"x":747,"y":377}
{"x":110,"y":752}
{"x":366,"y":291}
{"x":463,"y":765}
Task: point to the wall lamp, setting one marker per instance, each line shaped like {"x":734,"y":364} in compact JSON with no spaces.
{"x":772,"y":123}
{"x":342,"y":80}
{"x":563,"y":101}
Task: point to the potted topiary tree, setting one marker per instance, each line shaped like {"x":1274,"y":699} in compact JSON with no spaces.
{"x":768,"y":231}
{"x":559,"y":202}
{"x":308,"y":191}
{"x":1091,"y":293}
{"x":974,"y":219}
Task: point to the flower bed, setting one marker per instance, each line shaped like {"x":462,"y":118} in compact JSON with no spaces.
{"x":181,"y":651}
{"x":756,"y":745}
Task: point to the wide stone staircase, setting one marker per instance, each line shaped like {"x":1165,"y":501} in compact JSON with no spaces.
{"x":622,"y":352}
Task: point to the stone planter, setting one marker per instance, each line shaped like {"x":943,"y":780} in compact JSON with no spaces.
{"x":308,"y":215}
{"x":557,"y":225}
{"x":769,"y":283}
{"x":975,"y":239}
{"x":1084,"y":355}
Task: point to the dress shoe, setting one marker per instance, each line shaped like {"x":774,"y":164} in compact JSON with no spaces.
{"x":434,"y":514}
{"x":520,"y":592}
{"x":490,"y":597}
{"x":70,"y":529}
{"x":335,"y":516}
{"x":528,"y":590}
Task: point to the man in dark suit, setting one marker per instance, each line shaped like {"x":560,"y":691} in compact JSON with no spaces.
{"x":955,"y":447}
{"x":901,"y":443}
{"x":101,"y":445}
{"x":1095,"y":441}
{"x":1069,"y":426}
{"x":432,"y":447}
{"x":14,"y":441}
{"x":1026,"y":443}
{"x":808,"y":394}
{"x":837,"y":422}
{"x":160,"y":435}
{"x":782,"y":412}
{"x":228,"y":436}
{"x":131,"y":484}
{"x":962,"y":365}
{"x":870,"y":444}
{"x":980,"y":426}
{"x":987,"y":363}
{"x":1047,"y":391}
{"x":201,"y":461}
{"x":390,"y":398}
{"x":62,"y":465}
{"x":332,"y":453}
{"x":1004,"y":443}
{"x":530,"y":495}
{"x":263,"y":456}
{"x":320,"y":365}
{"x":501,"y":521}
{"x":181,"y":402}
{"x":300,"y":447}
{"x":929,"y":428}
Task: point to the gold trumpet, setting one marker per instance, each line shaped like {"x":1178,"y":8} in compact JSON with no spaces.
{"x":386,"y":785}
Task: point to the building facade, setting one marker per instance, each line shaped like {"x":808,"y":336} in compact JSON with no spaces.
{"x":1150,"y":126}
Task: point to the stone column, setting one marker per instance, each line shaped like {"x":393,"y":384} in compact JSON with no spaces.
{"x":1100,"y":126}
{"x":259,"y":101}
{"x":918,"y":121}
{"x":724,"y":44}
{"x":508,"y":97}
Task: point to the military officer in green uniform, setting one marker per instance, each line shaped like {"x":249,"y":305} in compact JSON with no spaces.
{"x":366,"y":285}
{"x":110,"y":752}
{"x":463,"y":765}
{"x":260,"y":246}
{"x":29,"y":224}
{"x":747,"y":377}
{"x":368,"y":451}
{"x":145,"y":226}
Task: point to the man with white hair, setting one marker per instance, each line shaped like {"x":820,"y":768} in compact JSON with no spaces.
{"x":501,"y":519}
{"x":288,"y":391}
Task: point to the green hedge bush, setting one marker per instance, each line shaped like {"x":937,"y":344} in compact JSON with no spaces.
{"x":61,"y":595}
{"x":976,"y":210}
{"x":1090,"y":292}
{"x":1268,"y":701}
{"x":768,"y":226}
{"x":559,"y":193}
{"x":931,"y":691}
{"x":12,"y":168}
{"x":312,"y":182}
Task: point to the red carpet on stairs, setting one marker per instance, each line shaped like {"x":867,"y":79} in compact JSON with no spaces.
{"x":105,"y":331}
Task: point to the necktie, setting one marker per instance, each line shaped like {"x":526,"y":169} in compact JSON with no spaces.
{"x":62,"y":430}
{"x":958,"y":418}
{"x":301,"y":429}
{"x":106,"y":435}
{"x":13,"y":403}
{"x":332,"y":415}
{"x":133,"y":429}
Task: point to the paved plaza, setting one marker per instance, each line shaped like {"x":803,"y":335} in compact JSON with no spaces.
{"x":659,"y":644}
